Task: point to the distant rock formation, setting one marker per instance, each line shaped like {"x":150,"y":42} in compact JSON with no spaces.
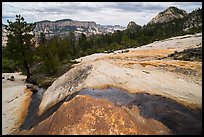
{"x":55,"y":25}
{"x":4,"y":37}
{"x":133,"y":27}
{"x":131,"y":24}
{"x":62,"y":27}
{"x":169,"y":14}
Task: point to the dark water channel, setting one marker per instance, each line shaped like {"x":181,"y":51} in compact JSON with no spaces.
{"x":32,"y":110}
{"x":32,"y":118}
{"x":178,"y":118}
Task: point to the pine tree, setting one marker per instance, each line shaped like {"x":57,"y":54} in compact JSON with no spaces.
{"x":48,"y":53}
{"x":20,"y":43}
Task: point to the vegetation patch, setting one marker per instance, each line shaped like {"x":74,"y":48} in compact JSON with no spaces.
{"x":192,"y":54}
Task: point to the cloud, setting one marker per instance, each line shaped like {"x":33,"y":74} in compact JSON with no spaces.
{"x":136,"y":7}
{"x":100,"y":12}
{"x":188,"y":6}
{"x":7,"y":16}
{"x":68,"y":8}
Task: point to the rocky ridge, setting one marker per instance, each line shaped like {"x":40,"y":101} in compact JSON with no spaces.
{"x":169,"y":14}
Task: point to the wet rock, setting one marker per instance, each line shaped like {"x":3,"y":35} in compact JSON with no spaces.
{"x":32,"y":119}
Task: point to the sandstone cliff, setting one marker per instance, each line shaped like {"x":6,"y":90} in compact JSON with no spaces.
{"x":62,"y":23}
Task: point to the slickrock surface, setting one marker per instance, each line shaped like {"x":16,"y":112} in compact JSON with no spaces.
{"x":139,"y":70}
{"x":159,"y":95}
{"x":15,"y":102}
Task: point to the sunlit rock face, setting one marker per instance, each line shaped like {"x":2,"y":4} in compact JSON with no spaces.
{"x":169,"y":14}
{"x":49,"y":25}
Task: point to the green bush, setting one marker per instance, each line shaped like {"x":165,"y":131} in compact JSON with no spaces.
{"x":8,"y":65}
{"x":51,"y":64}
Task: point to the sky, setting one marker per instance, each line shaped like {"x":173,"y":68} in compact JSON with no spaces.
{"x":104,"y":13}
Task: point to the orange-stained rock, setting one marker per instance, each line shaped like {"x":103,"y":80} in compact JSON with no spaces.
{"x":15,"y":108}
{"x":86,"y":115}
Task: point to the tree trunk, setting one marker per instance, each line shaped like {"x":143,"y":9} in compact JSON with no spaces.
{"x":26,"y":66}
{"x":27,"y":69}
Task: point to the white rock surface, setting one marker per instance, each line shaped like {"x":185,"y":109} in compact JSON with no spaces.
{"x":15,"y":101}
{"x":91,"y":57}
{"x":178,"y":43}
{"x":150,"y":80}
{"x":65,"y":85}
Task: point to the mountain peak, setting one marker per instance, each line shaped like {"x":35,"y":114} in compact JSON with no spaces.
{"x":132,"y":24}
{"x":169,"y":14}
